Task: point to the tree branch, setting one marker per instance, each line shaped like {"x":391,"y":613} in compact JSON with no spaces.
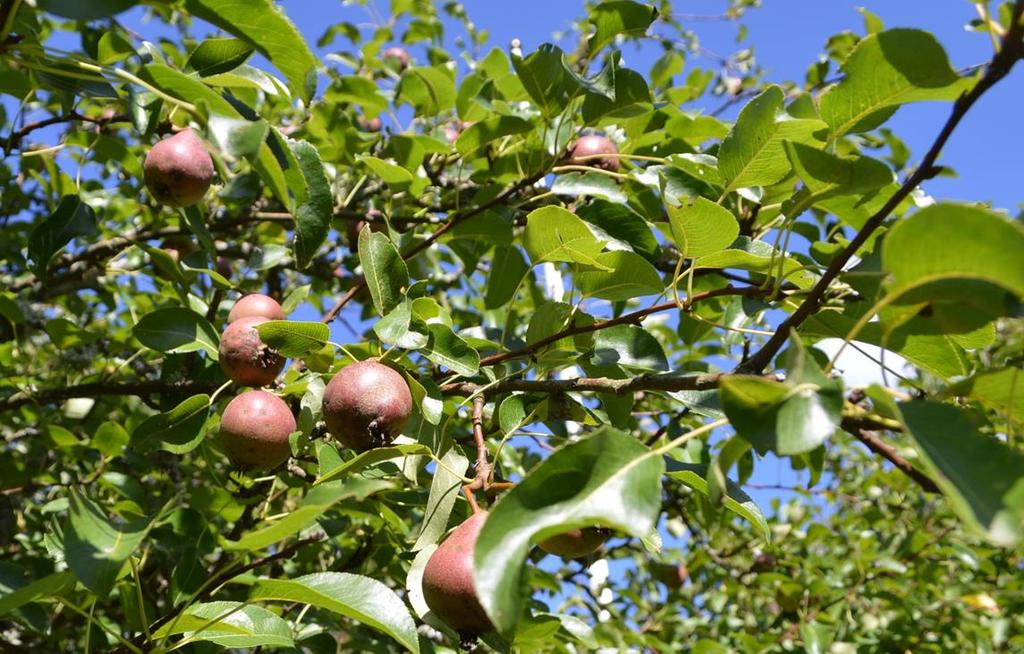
{"x":97,"y":389}
{"x":633,"y":318}
{"x":871,"y":440}
{"x":1000,"y":65}
{"x":483,"y":467}
{"x":14,"y":138}
{"x":666,"y":383}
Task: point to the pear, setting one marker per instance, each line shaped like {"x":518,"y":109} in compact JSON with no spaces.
{"x":254,"y":430}
{"x":366,"y":405}
{"x":584,"y":152}
{"x":575,"y":543}
{"x":256,"y":305}
{"x":448,"y":586}
{"x":178,"y":170}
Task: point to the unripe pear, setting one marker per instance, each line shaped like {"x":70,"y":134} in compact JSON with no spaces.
{"x":178,"y":170}
{"x":583,"y":151}
{"x":254,"y":430}
{"x":366,"y":405}
{"x":575,"y":543}
{"x":448,"y":585}
{"x":258,"y":305}
{"x":244,"y":358}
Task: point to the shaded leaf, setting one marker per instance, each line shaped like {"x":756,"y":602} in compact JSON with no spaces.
{"x":365,"y":600}
{"x":981,"y":476}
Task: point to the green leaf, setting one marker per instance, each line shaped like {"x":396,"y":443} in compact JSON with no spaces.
{"x":362,"y":599}
{"x":508,"y":268}
{"x":622,"y":224}
{"x":445,"y":489}
{"x":218,"y":55}
{"x":629,"y":346}
{"x":788,"y":417}
{"x":237,"y":138}
{"x":396,"y":328}
{"x":86,"y":10}
{"x":359,"y":91}
{"x":110,"y":439}
{"x":445,"y":348}
{"x":187,"y":88}
{"x":755,"y":256}
{"x":826,"y":175}
{"x":631,"y":97}
{"x":96,"y":547}
{"x":595,"y":185}
{"x":293,"y":338}
{"x":702,"y":227}
{"x":752,"y":154}
{"x":429,"y":90}
{"x":372,"y":457}
{"x":555,"y":234}
{"x":179,"y":430}
{"x":630,"y":276}
{"x":113,"y":48}
{"x":72,"y":218}
{"x":884,"y":71}
{"x":736,"y":501}
{"x":264,"y":26}
{"x":234,"y":625}
{"x":177,"y":330}
{"x":320,"y":499}
{"x":313,"y":215}
{"x":580,"y":485}
{"x":617,"y":17}
{"x":489,"y":131}
{"x":953,"y":241}
{"x":546,"y":79}
{"x":49,"y":586}
{"x":385,"y":272}
{"x":981,"y":476}
{"x":1000,"y":390}
{"x":394,"y":175}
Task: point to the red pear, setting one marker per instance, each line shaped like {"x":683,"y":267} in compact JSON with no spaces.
{"x":585,"y":149}
{"x":448,"y":585}
{"x":254,"y":430}
{"x":256,"y":305}
{"x":178,"y":170}
{"x":244,"y":358}
{"x":366,"y":405}
{"x":575,"y":543}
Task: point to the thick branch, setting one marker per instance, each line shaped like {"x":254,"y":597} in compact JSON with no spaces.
{"x":633,"y":318}
{"x":997,"y":69}
{"x":97,"y":389}
{"x":665,"y":383}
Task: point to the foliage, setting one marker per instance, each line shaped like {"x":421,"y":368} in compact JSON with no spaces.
{"x":633,"y":346}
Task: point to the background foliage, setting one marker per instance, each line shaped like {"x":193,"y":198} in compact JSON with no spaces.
{"x":633,"y":342}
